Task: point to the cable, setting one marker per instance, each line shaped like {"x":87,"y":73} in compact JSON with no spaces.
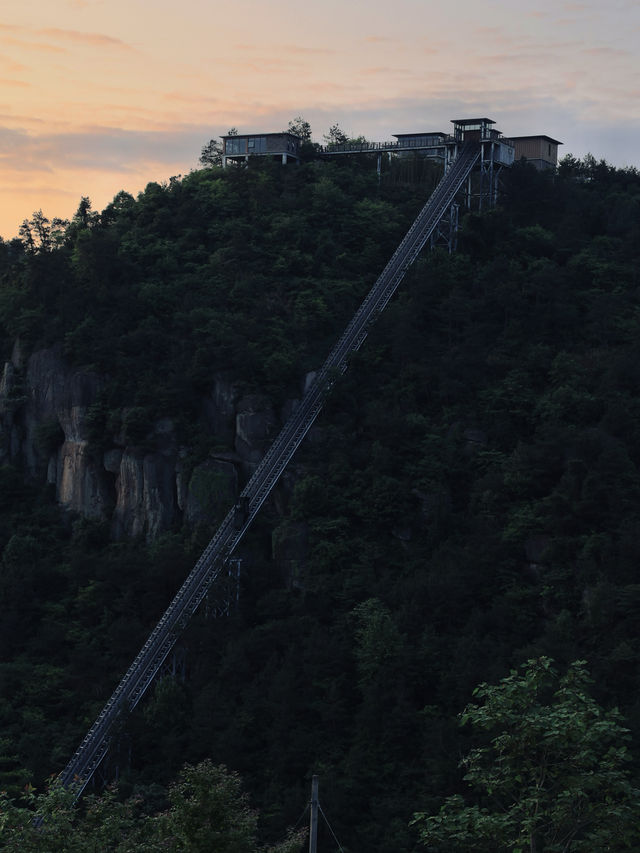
{"x":306,"y":809}
{"x":330,"y":829}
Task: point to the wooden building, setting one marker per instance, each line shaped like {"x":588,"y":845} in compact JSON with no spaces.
{"x":541,"y":151}
{"x":238,"y":148}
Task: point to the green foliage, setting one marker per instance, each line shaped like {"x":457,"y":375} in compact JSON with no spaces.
{"x":211,"y":154}
{"x":335,"y":135}
{"x":301,"y":128}
{"x":554,"y":776}
{"x":467,"y":500}
{"x":207,"y":812}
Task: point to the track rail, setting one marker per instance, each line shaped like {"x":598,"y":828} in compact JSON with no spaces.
{"x":213,"y":560}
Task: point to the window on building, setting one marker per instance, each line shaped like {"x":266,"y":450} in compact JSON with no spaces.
{"x":257,"y":145}
{"x":237,"y":145}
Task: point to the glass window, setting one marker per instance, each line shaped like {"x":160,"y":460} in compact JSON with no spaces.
{"x":237,"y":145}
{"x":257,"y":145}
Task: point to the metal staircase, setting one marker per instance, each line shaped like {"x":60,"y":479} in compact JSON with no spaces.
{"x":213,"y":560}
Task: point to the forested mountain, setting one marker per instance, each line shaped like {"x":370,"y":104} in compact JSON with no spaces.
{"x":468,"y":499}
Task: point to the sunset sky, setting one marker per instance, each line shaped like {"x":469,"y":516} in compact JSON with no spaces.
{"x":102,"y":95}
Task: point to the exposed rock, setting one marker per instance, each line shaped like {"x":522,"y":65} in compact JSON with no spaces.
{"x":54,"y":392}
{"x":112,"y":459}
{"x":309,"y":379}
{"x":220,"y":409}
{"x":145,"y":494}
{"x":80,"y":486}
{"x":44,"y":405}
{"x":182,"y":480}
{"x":17,"y":354}
{"x":256,"y":425}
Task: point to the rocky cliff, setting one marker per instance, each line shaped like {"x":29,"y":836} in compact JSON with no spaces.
{"x":45,"y":407}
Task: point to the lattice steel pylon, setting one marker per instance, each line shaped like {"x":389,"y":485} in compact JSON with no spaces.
{"x":214,"y":561}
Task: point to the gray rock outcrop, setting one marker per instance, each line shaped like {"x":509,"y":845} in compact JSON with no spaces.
{"x":45,"y":427}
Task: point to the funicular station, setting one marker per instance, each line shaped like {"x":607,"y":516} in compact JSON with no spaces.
{"x":496,"y":152}
{"x":481,"y":188}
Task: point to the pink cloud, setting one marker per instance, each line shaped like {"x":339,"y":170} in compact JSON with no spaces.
{"x":295,"y":50}
{"x":383,"y":69}
{"x":607,"y":51}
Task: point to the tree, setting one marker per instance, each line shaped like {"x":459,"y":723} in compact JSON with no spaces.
{"x":553,"y":777}
{"x":208,"y":812}
{"x":335,"y":135}
{"x":301,"y":128}
{"x":39,"y":234}
{"x":211,"y":154}
{"x":85,"y":217}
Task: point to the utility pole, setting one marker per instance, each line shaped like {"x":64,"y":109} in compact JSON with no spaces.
{"x":313,"y":819}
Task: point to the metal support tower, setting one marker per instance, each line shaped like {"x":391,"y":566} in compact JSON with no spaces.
{"x":446,"y":232}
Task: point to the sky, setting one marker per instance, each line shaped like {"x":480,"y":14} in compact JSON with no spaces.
{"x":97,"y":96}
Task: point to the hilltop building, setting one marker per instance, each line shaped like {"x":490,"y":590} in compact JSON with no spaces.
{"x":284,"y":146}
{"x":541,"y":151}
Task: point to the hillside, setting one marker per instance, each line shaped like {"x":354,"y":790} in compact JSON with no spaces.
{"x":468,"y":499}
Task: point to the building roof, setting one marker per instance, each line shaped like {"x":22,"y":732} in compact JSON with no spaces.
{"x":421,"y":133}
{"x":467,"y":121}
{"x":254,"y":135}
{"x":537,"y":136}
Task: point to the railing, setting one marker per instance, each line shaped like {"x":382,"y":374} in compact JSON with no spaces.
{"x":150,"y":658}
{"x":372,"y":147}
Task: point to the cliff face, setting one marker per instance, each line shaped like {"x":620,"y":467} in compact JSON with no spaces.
{"x":44,"y":405}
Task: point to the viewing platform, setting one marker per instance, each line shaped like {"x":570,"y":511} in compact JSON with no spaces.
{"x":433,"y":142}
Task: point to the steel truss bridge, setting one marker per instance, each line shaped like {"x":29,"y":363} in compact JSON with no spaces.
{"x":214,"y":562}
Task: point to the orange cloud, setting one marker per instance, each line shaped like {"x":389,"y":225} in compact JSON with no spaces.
{"x":294,"y":49}
{"x":92,"y":39}
{"x":32,"y":45}
{"x":12,"y":66}
{"x":57,"y":33}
